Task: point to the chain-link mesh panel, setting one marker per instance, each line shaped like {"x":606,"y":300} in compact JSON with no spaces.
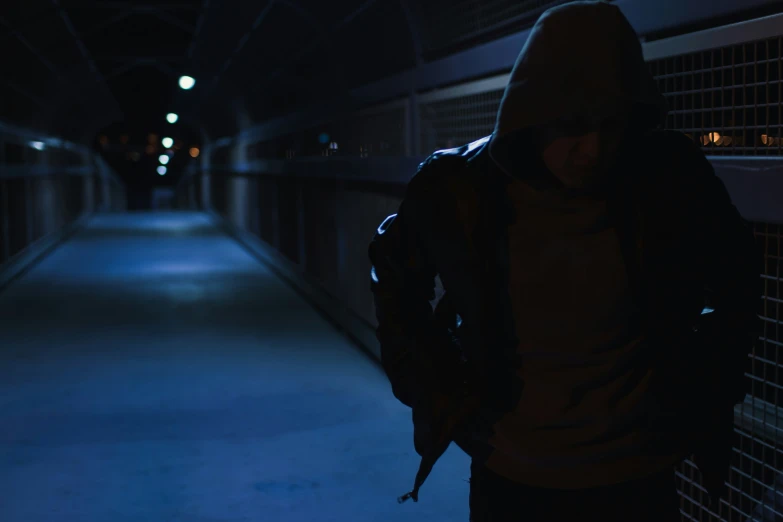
{"x":448,"y":26}
{"x":755,"y":488}
{"x":380,"y":133}
{"x":456,"y":121}
{"x":727,"y":99}
{"x":372,"y":134}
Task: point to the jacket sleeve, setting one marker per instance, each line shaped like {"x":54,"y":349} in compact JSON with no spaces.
{"x":403,"y":283}
{"x":732,"y":264}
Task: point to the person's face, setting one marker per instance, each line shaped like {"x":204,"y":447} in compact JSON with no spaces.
{"x":580,"y":150}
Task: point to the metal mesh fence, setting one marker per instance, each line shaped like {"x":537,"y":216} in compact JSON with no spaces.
{"x":372,"y":134}
{"x":755,"y":488}
{"x":456,"y":121}
{"x":379,"y":133}
{"x":728,"y":99}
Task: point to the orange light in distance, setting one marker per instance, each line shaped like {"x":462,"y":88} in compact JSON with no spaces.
{"x":194,"y":152}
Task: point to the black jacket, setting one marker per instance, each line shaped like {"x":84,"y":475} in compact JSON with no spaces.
{"x":685,"y":247}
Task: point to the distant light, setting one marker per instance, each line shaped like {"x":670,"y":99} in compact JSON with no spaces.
{"x":162,"y":170}
{"x":194,"y":152}
{"x":163,"y":158}
{"x":323,"y":138}
{"x":167,"y":142}
{"x":152,"y":138}
{"x":37,"y":145}
{"x":333,"y":145}
{"x":150,"y":149}
{"x":124,"y":139}
{"x":186,"y":82}
{"x":135,"y":156}
{"x":171,"y":117}
{"x":103,"y":140}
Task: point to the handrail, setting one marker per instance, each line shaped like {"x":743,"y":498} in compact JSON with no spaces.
{"x":17,"y":133}
{"x":755,"y":183}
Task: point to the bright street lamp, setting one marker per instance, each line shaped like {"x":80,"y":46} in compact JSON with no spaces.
{"x":186,"y":82}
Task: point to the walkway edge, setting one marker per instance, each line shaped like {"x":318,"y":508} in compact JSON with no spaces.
{"x":36,"y":251}
{"x":332,"y":309}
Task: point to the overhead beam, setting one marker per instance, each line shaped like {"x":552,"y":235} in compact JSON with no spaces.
{"x":240,"y":45}
{"x":170,"y":19}
{"x":83,"y":50}
{"x":130,"y":6}
{"x":304,"y":13}
{"x":119,"y":17}
{"x":197,"y":30}
{"x":24,"y":92}
{"x":121,"y":58}
{"x":319,"y":41}
{"x":414,"y":25}
{"x":79,"y":43}
{"x":31,"y":48}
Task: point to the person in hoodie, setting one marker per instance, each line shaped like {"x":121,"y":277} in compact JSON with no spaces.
{"x":580,"y":247}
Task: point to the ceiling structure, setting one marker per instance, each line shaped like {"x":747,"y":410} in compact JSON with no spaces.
{"x":78,"y":67}
{"x":75,"y":68}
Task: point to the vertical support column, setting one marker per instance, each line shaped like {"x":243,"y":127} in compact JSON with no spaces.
{"x":88,"y":198}
{"x":106,"y":204}
{"x":28,"y":200}
{"x":413,"y":127}
{"x":191,"y":194}
{"x":6,"y":246}
{"x":61,"y":186}
{"x":300,"y":222}
{"x":206,"y":182}
{"x":240,"y":185}
{"x":341,"y":220}
{"x":5,"y":253}
{"x":47,"y":206}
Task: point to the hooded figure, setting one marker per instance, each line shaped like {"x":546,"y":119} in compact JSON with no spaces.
{"x":578,"y":246}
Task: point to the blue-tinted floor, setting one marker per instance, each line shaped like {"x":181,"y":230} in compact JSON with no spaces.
{"x":152,"y":370}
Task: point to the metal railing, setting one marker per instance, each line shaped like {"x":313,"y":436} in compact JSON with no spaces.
{"x":46,"y":184}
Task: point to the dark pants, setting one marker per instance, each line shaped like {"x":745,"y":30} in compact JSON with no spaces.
{"x":496,"y":499}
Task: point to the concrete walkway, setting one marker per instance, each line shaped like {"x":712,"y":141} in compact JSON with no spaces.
{"x":152,"y":370}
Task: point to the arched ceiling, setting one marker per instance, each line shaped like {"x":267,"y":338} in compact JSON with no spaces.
{"x":77,"y":66}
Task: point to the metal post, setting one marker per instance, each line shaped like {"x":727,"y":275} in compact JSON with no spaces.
{"x":413,"y":141}
{"x":28,"y":200}
{"x":6,"y":228}
{"x":6,"y":246}
{"x":301,"y":228}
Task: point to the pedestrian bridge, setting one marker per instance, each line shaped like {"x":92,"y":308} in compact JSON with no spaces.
{"x":186,"y":323}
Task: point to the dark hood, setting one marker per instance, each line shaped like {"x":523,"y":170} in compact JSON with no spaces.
{"x":579,"y":57}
